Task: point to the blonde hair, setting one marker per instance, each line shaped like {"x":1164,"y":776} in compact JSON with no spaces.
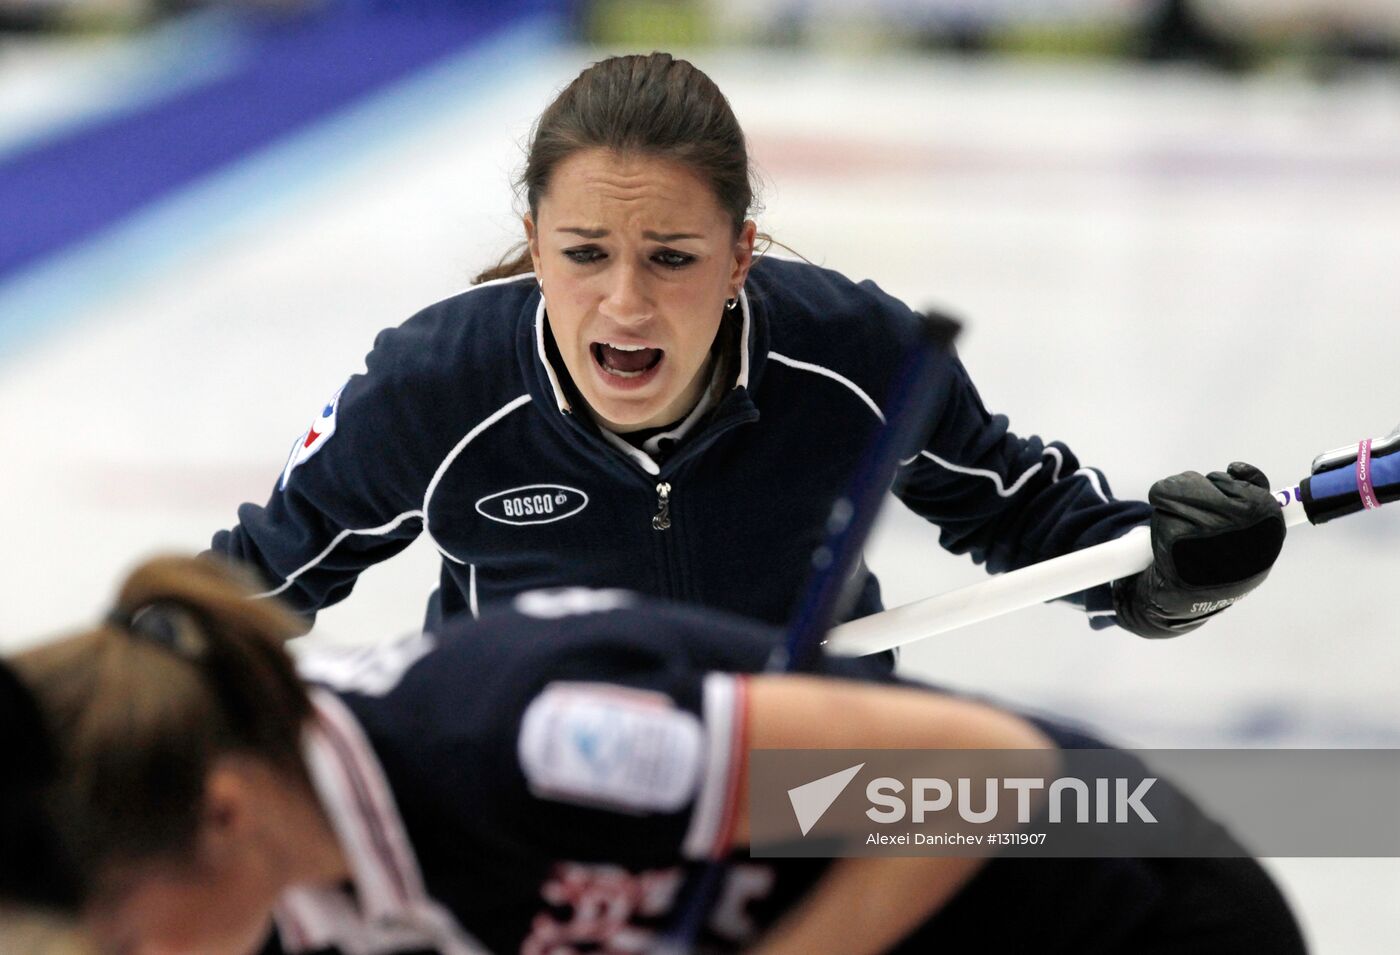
{"x":187,"y":668}
{"x":40,"y":933}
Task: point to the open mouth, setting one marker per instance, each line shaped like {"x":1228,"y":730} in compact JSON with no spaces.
{"x":626,"y":361}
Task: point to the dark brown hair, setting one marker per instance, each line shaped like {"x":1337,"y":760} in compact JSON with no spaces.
{"x":655,"y":105}
{"x":187,"y":669}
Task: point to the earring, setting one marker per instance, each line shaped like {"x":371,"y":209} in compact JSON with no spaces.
{"x":730,"y":304}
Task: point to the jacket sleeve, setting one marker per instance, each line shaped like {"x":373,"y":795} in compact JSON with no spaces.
{"x":584,"y":724}
{"x":351,"y":491}
{"x":1006,"y":500}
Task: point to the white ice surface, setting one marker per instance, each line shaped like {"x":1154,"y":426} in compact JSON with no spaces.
{"x":1164,"y":270}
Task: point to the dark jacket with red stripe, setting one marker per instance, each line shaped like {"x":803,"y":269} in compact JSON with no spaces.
{"x":543,"y":781}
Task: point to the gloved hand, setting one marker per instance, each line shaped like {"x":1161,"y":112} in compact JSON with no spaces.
{"x":1214,"y":539}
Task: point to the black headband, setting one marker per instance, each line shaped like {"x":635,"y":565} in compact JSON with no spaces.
{"x":170,"y":626}
{"x":182,"y":631}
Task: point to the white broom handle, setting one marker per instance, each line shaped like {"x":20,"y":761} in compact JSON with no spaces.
{"x":1012,"y":591}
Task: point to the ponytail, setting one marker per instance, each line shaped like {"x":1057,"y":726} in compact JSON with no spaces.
{"x":200,"y":610}
{"x":186,"y":669}
{"x":515,"y":262}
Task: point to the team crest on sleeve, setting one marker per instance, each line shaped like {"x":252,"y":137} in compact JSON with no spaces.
{"x":314,"y":438}
{"x":608,"y":746}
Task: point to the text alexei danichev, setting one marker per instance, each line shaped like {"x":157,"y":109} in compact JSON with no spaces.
{"x":924,"y":839}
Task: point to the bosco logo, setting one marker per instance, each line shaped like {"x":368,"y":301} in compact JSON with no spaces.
{"x":533,"y":504}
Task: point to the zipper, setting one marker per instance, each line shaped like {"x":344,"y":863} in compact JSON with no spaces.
{"x":661,"y":520}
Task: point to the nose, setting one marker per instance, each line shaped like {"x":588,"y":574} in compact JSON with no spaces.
{"x":627,"y":300}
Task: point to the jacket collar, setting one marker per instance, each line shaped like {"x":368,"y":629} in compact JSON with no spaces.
{"x":389,"y":909}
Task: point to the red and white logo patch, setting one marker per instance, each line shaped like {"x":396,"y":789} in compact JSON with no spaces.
{"x":313,"y":439}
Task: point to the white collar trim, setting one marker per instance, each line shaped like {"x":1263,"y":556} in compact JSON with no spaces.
{"x":559,"y":399}
{"x":745,"y":346}
{"x":394,"y":911}
{"x":702,"y":407}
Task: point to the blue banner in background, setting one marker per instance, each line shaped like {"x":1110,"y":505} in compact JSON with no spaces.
{"x":289,"y":71}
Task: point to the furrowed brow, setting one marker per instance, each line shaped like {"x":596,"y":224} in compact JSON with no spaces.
{"x":649,"y":234}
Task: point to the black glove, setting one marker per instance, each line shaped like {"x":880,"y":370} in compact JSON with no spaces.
{"x":1214,"y":539}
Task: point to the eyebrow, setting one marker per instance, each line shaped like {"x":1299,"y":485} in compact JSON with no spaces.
{"x":648,"y":234}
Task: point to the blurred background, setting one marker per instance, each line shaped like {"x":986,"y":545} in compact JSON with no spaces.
{"x":1173,"y":229}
